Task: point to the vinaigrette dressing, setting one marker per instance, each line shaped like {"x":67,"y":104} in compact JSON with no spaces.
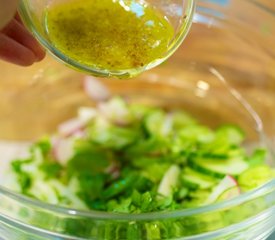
{"x":108,"y":34}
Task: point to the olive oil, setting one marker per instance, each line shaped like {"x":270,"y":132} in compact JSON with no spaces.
{"x":108,"y":34}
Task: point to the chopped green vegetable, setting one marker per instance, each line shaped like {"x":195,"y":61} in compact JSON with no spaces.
{"x":255,"y":177}
{"x":44,"y":145}
{"x":258,"y":157}
{"x":89,"y":160}
{"x":113,"y":137}
{"x":231,"y":134}
{"x":157,"y":123}
{"x":134,"y":158}
{"x":51,"y":169}
{"x":24,"y":179}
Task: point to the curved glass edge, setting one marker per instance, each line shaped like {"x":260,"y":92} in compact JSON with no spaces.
{"x":27,"y":232}
{"x":191,"y":8}
{"x":193,"y":225}
{"x":265,"y":218}
{"x":126,"y":73}
{"x":249,"y":196}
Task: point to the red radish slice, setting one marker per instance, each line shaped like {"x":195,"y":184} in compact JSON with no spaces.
{"x":229,"y":193}
{"x":86,"y":114}
{"x":116,"y":111}
{"x":95,"y":89}
{"x":79,"y":134}
{"x":63,"y":150}
{"x":70,"y":127}
{"x":54,"y":140}
{"x":228,"y":182}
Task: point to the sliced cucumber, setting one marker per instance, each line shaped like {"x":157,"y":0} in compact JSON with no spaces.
{"x":255,"y":177}
{"x":229,"y":194}
{"x":197,"y":198}
{"x":232,"y":133}
{"x":220,"y":168}
{"x":258,"y":157}
{"x":195,"y":180}
{"x":169,"y":181}
{"x":200,"y":194}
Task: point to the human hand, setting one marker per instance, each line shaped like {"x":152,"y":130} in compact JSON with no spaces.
{"x":17,"y":45}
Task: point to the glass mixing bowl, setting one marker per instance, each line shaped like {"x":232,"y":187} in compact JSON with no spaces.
{"x":178,"y":12}
{"x":224,"y":72}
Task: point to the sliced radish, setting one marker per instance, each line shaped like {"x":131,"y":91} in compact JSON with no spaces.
{"x":63,"y":150}
{"x":169,"y":181}
{"x":116,"y":111}
{"x":71,"y":126}
{"x":86,"y":114}
{"x":228,"y":185}
{"x":79,"y":134}
{"x":95,"y":89}
{"x":229,"y":193}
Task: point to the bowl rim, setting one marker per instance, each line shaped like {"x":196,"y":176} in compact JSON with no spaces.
{"x":30,"y":229}
{"x":101,"y":215}
{"x":101,"y":72}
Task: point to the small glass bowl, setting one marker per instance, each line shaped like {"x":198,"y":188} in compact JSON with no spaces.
{"x":178,"y":12}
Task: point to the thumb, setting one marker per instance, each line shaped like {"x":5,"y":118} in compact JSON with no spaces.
{"x":7,"y":11}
